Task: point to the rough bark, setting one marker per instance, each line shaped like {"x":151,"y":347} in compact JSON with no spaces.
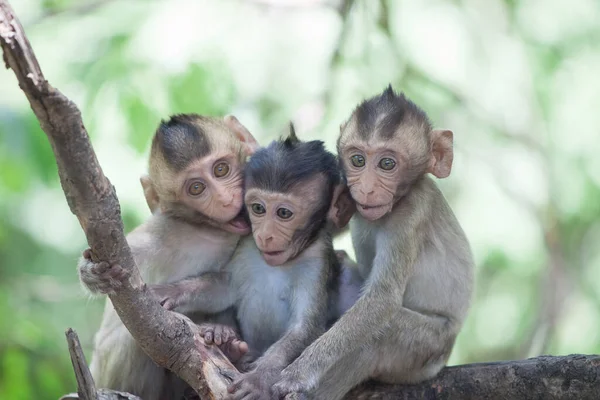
{"x":86,"y":388}
{"x":170,"y":339}
{"x":574,"y":377}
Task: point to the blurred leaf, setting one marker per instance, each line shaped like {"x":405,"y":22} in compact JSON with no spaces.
{"x":15,"y":377}
{"x":203,"y":89}
{"x":143,"y":121}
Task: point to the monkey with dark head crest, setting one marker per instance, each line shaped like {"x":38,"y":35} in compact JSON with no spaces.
{"x":411,"y":252}
{"x":195,"y":189}
{"x":281,"y":281}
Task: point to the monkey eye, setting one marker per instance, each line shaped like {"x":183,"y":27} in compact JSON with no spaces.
{"x":284,"y":213}
{"x":196,"y":188}
{"x":357,"y":160}
{"x":221,"y":169}
{"x":387,"y":164}
{"x":257,"y":208}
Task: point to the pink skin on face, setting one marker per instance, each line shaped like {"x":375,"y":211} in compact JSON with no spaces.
{"x":276,"y":217}
{"x":371,"y":187}
{"x":213,"y":186}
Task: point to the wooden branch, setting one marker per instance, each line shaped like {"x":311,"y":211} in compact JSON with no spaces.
{"x":574,"y":377}
{"x":86,"y":389}
{"x":170,"y":339}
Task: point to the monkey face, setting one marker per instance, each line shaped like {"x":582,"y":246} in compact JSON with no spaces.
{"x":276,"y":218}
{"x":384,"y":148}
{"x":212,"y":186}
{"x":374,"y":175}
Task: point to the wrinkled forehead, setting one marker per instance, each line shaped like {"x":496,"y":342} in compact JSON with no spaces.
{"x":383,"y":132}
{"x":303,"y":192}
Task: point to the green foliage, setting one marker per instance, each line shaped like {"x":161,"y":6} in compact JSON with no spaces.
{"x":129,"y":64}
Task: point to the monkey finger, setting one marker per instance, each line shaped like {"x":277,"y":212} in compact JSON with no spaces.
{"x":236,"y":385}
{"x":218,"y":335}
{"x":168,"y":303}
{"x":87,"y":254}
{"x":208,"y":337}
{"x":244,"y":393}
{"x":100,"y":268}
{"x":118,"y":272}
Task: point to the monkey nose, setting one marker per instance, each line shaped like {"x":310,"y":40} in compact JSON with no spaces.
{"x":264,"y":240}
{"x":226,"y":201}
{"x":366,"y":192}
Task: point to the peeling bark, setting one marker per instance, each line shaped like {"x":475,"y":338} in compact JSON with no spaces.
{"x":170,"y":339}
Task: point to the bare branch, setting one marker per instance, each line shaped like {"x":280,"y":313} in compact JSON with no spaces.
{"x":86,"y":389}
{"x":170,"y":339}
{"x":548,"y":378}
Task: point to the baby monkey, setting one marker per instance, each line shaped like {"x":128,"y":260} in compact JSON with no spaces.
{"x":195,"y":189}
{"x":411,"y":252}
{"x":280,"y":282}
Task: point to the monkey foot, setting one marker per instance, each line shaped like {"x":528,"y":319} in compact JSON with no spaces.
{"x":101,"y":277}
{"x":226,"y":338}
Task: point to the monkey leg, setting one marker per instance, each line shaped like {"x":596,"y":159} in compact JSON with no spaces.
{"x":118,"y":363}
{"x":348,"y":372}
{"x":416,"y":348}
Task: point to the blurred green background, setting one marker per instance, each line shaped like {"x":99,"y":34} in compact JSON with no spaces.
{"x":517,"y":81}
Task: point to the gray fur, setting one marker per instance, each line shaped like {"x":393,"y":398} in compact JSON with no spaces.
{"x":165,"y":250}
{"x":419,"y":278}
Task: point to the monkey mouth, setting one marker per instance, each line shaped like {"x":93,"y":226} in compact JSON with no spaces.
{"x":239,"y":224}
{"x":372,"y":213}
{"x":275,"y":258}
{"x":365,"y":207}
{"x":272,"y":253}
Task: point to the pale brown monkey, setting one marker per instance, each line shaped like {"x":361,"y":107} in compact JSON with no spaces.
{"x":195,"y":190}
{"x":281,"y":282}
{"x":411,"y":251}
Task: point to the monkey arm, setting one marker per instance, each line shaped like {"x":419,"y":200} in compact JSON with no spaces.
{"x":377,"y":307}
{"x":209,"y":293}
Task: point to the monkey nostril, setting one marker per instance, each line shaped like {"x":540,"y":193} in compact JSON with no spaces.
{"x":227,"y":203}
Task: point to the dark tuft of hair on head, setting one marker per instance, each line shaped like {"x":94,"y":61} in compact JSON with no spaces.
{"x":289,"y":162}
{"x":291,"y":138}
{"x":385,"y":112}
{"x":181,"y":140}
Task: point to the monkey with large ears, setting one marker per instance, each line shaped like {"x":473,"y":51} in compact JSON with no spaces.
{"x":195,"y":189}
{"x":282,"y":280}
{"x":411,"y":251}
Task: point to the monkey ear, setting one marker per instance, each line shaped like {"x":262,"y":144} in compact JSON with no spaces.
{"x":149,"y":193}
{"x":243,"y":134}
{"x":342,"y":207}
{"x":442,"y":153}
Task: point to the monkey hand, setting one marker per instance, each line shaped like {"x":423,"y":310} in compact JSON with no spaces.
{"x":169,"y":295}
{"x":100,"y":278}
{"x":254,"y":385}
{"x":341,"y":255}
{"x":226,"y":338}
{"x":291,"y":382}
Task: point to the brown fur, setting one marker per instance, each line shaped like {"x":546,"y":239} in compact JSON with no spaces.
{"x":185,"y":236}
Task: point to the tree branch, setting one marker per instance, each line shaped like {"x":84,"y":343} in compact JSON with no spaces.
{"x":86,"y":389}
{"x":548,"y":378}
{"x":170,"y":339}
